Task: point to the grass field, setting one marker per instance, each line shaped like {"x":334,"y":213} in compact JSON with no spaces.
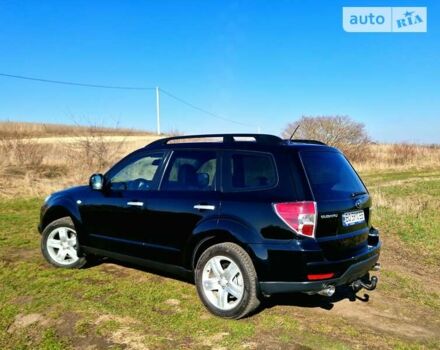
{"x":110,"y":305}
{"x":12,"y":129}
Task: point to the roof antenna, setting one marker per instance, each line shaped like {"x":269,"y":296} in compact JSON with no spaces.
{"x":294,"y":131}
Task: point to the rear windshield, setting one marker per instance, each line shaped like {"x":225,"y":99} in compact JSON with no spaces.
{"x":331,"y":176}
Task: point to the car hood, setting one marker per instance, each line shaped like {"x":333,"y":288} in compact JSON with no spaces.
{"x":71,"y":191}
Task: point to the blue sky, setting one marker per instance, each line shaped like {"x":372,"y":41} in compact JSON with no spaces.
{"x":262,"y":63}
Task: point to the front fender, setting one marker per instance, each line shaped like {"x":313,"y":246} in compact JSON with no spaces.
{"x":58,"y":207}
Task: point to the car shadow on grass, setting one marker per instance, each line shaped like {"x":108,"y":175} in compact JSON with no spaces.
{"x":316,"y":300}
{"x":285,"y":299}
{"x":185,"y":277}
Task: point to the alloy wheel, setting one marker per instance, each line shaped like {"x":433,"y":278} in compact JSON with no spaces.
{"x":62,"y":245}
{"x":222,"y":282}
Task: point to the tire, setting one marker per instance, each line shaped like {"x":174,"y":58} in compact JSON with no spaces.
{"x":226,"y":281}
{"x":59,"y":244}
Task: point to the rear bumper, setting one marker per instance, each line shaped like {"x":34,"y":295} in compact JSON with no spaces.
{"x":353,"y":273}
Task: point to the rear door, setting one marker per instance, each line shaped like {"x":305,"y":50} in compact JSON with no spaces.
{"x":187,"y":196}
{"x":343,"y":203}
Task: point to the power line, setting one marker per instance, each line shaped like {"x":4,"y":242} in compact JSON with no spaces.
{"x":189,"y":104}
{"x":76,"y":84}
{"x":169,"y":94}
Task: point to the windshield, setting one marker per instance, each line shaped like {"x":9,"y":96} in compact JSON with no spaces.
{"x":331,"y":176}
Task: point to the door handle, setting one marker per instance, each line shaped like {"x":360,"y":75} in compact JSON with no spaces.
{"x":204,"y":207}
{"x":135,"y":204}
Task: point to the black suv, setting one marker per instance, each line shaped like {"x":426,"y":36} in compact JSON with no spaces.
{"x":246,"y":215}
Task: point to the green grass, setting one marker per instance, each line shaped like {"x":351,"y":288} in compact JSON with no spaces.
{"x":114,"y":307}
{"x":386,"y":176}
{"x":18,"y":220}
{"x":411,"y":210}
{"x":408,"y":289}
{"x":51,"y":341}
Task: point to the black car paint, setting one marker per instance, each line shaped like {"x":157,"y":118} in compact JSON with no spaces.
{"x":169,"y":233}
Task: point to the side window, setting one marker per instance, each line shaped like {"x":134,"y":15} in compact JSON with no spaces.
{"x":138,"y":175}
{"x":191,"y":171}
{"x":251,"y":171}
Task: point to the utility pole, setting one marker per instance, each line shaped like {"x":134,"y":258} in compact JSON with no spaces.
{"x":157,"y":110}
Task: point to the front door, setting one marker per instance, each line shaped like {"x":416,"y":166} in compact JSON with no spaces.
{"x":118,"y":217}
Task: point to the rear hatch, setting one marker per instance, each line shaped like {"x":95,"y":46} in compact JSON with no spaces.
{"x":343,"y":204}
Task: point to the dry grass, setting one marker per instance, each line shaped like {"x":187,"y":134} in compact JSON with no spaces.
{"x":399,"y":157}
{"x":21,"y":151}
{"x":107,"y":305}
{"x":10,"y":129}
{"x":33,"y":165}
{"x":36,"y":159}
{"x":414,"y":205}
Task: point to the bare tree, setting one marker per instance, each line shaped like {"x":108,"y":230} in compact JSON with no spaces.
{"x":338,"y":131}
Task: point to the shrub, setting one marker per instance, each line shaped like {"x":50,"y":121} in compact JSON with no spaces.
{"x":21,"y":151}
{"x":338,"y":131}
{"x":403,"y":153}
{"x":94,"y":152}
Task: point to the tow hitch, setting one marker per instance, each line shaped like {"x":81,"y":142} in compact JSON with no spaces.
{"x":369,"y":285}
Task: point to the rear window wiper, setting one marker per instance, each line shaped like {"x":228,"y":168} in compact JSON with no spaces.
{"x":360,"y":193}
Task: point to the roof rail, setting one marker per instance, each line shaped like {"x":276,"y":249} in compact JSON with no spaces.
{"x":225,"y":138}
{"x":313,"y":142}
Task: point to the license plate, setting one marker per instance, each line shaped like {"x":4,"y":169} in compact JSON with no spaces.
{"x":353,"y":218}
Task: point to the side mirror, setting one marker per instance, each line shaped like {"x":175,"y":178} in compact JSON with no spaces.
{"x":96,"y":182}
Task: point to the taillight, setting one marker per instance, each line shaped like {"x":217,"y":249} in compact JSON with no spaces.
{"x":299,"y":216}
{"x":320,"y":276}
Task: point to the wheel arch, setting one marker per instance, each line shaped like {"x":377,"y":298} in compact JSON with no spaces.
{"x":207,"y":235}
{"x":59,"y":210}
